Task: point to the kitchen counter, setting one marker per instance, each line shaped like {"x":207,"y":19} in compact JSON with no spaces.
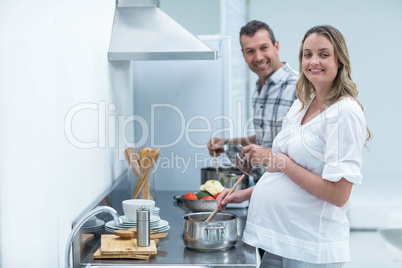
{"x":171,"y":250}
{"x":368,"y":249}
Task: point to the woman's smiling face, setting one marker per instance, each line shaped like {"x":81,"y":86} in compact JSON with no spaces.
{"x":320,"y":65}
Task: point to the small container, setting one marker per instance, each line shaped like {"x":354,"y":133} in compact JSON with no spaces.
{"x":143,"y":227}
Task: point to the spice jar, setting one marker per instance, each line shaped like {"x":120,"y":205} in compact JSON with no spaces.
{"x":143,"y":227}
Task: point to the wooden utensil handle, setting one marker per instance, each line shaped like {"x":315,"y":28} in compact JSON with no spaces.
{"x":216,"y":161}
{"x":229,"y":193}
{"x":132,"y":161}
{"x":158,"y":235}
{"x":142,"y":182}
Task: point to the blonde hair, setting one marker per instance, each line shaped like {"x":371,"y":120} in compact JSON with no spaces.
{"x":343,"y":86}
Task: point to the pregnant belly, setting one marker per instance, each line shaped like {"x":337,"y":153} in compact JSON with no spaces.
{"x":280,"y":204}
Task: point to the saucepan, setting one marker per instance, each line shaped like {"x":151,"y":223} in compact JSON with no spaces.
{"x":228,"y":176}
{"x":233,"y":152}
{"x":216,"y":235}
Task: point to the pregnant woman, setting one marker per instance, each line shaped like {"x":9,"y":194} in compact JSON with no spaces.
{"x":297,"y":211}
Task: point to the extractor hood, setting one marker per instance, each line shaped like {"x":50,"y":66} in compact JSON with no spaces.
{"x":141,"y":31}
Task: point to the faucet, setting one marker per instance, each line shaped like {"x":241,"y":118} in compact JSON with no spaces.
{"x":81,"y":222}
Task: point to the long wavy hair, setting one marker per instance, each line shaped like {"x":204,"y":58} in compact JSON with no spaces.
{"x":343,"y":86}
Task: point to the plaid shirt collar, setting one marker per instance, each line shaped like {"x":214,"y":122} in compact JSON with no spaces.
{"x":277,"y":76}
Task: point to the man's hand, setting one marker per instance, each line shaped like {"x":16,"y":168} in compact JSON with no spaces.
{"x":256,"y":155}
{"x":243,"y":165}
{"x":218,"y":146}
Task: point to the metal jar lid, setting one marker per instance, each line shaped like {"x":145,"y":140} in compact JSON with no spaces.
{"x":143,"y":214}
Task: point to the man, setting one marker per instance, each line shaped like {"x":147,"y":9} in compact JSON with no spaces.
{"x":274,"y":94}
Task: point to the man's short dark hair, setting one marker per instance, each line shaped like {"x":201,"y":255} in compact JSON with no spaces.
{"x":253,"y":26}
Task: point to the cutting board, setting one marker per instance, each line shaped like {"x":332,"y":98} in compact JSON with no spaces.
{"x":98,"y":255}
{"x":114,"y":245}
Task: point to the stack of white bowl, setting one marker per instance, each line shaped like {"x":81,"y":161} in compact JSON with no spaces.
{"x":93,"y":226}
{"x":129,"y":218}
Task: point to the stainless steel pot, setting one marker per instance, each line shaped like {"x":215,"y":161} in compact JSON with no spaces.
{"x":218,"y":234}
{"x":227,"y":176}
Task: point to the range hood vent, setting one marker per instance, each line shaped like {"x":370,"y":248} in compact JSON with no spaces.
{"x":141,"y":31}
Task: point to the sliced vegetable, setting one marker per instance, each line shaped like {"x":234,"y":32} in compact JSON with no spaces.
{"x":216,"y":196}
{"x":208,"y":198}
{"x":191,"y":196}
{"x":202,"y":194}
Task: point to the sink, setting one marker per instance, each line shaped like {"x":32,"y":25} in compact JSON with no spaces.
{"x":147,"y":266}
{"x":392,"y":235}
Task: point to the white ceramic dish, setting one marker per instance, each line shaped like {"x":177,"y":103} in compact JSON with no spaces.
{"x":94,"y":228}
{"x":126,"y":220}
{"x":161,"y":230}
{"x":156,"y":211}
{"x":393,"y":236}
{"x":91,"y":221}
{"x":96,"y":224}
{"x":130,"y":207}
{"x":161,"y":225}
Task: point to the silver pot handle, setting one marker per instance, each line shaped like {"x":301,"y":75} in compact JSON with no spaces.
{"x":215,"y":227}
{"x":216,"y":230}
{"x":241,"y":159}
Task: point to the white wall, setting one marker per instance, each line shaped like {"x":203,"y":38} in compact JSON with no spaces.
{"x":53,"y":57}
{"x":371,"y":29}
{"x":200,"y":17}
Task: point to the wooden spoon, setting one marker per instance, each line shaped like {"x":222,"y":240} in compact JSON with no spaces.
{"x":216,"y":161}
{"x":230,"y":192}
{"x":149,"y":155}
{"x":152,"y":157}
{"x":157,"y":152}
{"x":132,"y":233}
{"x":147,"y":160}
{"x":146,"y":151}
{"x":132,"y":161}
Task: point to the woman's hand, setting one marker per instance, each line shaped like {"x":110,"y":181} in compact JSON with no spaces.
{"x":237,"y":197}
{"x":277,"y":162}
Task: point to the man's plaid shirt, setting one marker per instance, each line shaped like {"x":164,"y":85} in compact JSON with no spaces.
{"x":271,"y":106}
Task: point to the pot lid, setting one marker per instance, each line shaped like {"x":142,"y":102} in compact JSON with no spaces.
{"x":232,"y":150}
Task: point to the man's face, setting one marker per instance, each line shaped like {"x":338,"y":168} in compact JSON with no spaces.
{"x":260,"y":54}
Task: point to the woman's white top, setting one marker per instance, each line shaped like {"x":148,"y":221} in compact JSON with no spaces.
{"x":286,"y":220}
